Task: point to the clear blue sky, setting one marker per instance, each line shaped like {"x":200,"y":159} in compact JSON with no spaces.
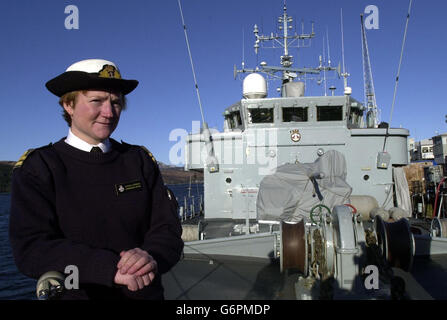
{"x":146,"y":40}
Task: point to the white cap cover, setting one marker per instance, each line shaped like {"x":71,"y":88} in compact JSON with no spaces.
{"x":90,"y":65}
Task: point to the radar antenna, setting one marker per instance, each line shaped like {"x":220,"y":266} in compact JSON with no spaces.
{"x":286,"y":40}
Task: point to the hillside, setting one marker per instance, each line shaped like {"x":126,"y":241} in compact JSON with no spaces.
{"x":177,"y":175}
{"x":5,"y":175}
{"x":171,"y":175}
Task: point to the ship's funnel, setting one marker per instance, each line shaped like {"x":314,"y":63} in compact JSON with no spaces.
{"x":292,"y":89}
{"x":254,"y":86}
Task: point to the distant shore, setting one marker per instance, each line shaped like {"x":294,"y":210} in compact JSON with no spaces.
{"x":171,"y":175}
{"x":178,"y":175}
{"x":5,"y":175}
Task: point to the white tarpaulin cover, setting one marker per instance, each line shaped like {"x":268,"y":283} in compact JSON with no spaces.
{"x":289,"y":193}
{"x":402,"y":190}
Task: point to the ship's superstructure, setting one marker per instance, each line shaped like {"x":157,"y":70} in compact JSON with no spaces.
{"x":262,"y":133}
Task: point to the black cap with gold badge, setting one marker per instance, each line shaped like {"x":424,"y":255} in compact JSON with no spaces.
{"x":88,"y":75}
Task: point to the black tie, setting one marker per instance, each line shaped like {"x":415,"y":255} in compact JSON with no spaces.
{"x":96,"y":150}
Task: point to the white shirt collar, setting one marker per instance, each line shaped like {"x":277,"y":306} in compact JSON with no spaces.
{"x":80,"y":144}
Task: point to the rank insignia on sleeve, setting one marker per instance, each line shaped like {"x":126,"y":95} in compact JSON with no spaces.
{"x":22,"y":158}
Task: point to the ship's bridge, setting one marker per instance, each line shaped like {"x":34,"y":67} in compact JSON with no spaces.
{"x":301,"y":111}
{"x":263,"y":133}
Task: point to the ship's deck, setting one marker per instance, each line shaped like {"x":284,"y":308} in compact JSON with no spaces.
{"x":200,"y":277}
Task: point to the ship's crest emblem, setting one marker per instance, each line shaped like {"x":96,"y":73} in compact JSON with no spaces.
{"x":295,"y":135}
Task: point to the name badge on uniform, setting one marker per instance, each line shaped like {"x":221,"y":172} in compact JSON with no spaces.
{"x":128,"y":186}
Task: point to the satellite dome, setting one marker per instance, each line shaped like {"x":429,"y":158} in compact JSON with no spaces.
{"x":348,"y":91}
{"x":254,"y":86}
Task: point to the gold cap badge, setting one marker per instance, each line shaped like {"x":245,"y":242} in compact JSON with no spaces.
{"x":109,"y":71}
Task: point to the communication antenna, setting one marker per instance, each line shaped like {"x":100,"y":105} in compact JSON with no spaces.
{"x":324,"y":70}
{"x":302,"y":30}
{"x":400,"y":61}
{"x":328,"y":61}
{"x":398,"y":71}
{"x":286,"y":40}
{"x":192,"y":63}
{"x":243,"y":56}
{"x":344,"y":74}
{"x":211,"y":161}
{"x":243,"y":48}
{"x":328,"y":48}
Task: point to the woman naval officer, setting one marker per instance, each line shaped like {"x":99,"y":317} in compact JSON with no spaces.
{"x":92,"y":202}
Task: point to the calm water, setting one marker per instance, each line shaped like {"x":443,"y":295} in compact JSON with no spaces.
{"x":14,"y":285}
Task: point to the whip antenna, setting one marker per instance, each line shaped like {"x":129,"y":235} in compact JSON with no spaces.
{"x":400,"y":61}
{"x":192,"y":63}
{"x":344,"y":74}
{"x":211,"y":160}
{"x":398,"y":71}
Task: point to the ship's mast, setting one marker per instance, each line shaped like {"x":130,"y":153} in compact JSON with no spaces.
{"x":286,"y":40}
{"x":370,"y":98}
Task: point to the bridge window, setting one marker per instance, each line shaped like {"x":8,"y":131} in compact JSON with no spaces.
{"x":234,"y":119}
{"x":355,"y":118}
{"x":230,"y":121}
{"x":237,"y":118}
{"x":294,"y":114}
{"x":260,"y":115}
{"x":329,"y":113}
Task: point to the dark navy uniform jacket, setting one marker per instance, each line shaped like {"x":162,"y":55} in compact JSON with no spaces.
{"x":71,"y":207}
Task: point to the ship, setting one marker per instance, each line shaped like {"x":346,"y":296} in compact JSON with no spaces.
{"x":305,"y":197}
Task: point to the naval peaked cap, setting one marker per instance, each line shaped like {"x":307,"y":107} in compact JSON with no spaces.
{"x":91,"y":74}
